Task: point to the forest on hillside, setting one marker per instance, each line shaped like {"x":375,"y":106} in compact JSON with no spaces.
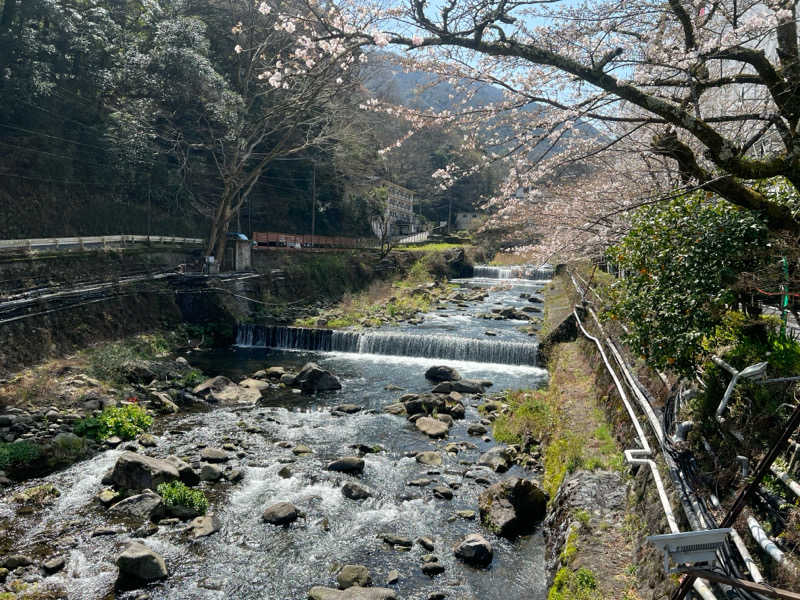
{"x":131,"y":118}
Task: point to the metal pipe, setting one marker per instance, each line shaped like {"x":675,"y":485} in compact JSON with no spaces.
{"x":699,"y":585}
{"x":790,"y":483}
{"x":763,"y":540}
{"x":755,"y":370}
{"x":749,"y":563}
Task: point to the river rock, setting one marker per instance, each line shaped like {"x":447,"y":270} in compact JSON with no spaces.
{"x":255,"y":384}
{"x":442,"y":492}
{"x":213,"y":455}
{"x":209,"y":472}
{"x":355,"y":491}
{"x":468,"y":386}
{"x":54,"y":565}
{"x":476,"y":429}
{"x":443,"y":387}
{"x":397,"y":408}
{"x":141,"y":563}
{"x":185,"y":472}
{"x":496,"y":459}
{"x":347,"y":464}
{"x":396,"y":540}
{"x":147,"y":505}
{"x":222,"y":390}
{"x":204,"y":526}
{"x":432,"y":568}
{"x":163,"y":403}
{"x":281,"y":513}
{"x":474,"y":550}
{"x":13,"y":561}
{"x":512,"y":506}
{"x":429,"y":457}
{"x":352,"y":593}
{"x":134,"y":471}
{"x":426,"y":543}
{"x":442,"y":373}
{"x":392,"y":577}
{"x":432,"y":427}
{"x":313,"y":378}
{"x":351,"y":575}
{"x":347,"y":408}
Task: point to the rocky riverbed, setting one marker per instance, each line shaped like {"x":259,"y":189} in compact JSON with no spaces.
{"x":374,"y":474}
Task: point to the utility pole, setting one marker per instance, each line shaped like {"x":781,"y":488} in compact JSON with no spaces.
{"x":313,"y":199}
{"x":747,"y":491}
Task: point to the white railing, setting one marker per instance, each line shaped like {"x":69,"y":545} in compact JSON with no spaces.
{"x":414,"y":239}
{"x":103,"y":240}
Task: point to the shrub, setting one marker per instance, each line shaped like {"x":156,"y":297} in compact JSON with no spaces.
{"x":681,"y":260}
{"x":125,"y":421}
{"x":178,"y":494}
{"x":18,"y":454}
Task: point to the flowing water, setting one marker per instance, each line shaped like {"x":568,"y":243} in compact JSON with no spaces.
{"x":249,"y":559}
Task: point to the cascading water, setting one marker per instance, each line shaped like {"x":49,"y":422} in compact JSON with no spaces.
{"x":541,"y":273}
{"x":387,"y":343}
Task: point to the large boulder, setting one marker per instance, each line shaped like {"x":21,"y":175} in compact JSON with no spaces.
{"x":134,"y":471}
{"x":353,"y":593}
{"x":432,"y":427}
{"x":512,"y":507}
{"x":442,"y":373}
{"x":140,"y":563}
{"x":474,"y":550}
{"x":347,"y":464}
{"x":430,"y":458}
{"x":281,"y":513}
{"x":185,"y":472}
{"x":424,"y":404}
{"x":468,"y":386}
{"x":313,"y":378}
{"x":204,"y":526}
{"x":223,"y":391}
{"x":353,"y":575}
{"x":147,"y":505}
{"x":497,"y":459}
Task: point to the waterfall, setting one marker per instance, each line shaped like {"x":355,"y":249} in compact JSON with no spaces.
{"x":514,"y":272}
{"x":387,"y":343}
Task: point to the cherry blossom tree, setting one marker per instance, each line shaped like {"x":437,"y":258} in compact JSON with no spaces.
{"x":684,"y":93}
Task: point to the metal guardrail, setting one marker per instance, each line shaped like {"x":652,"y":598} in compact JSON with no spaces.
{"x":104,"y":241}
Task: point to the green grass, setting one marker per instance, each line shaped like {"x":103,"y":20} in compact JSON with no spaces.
{"x":433,"y":247}
{"x":178,"y":494}
{"x":574,"y":585}
{"x":125,"y":421}
{"x":534,"y":413}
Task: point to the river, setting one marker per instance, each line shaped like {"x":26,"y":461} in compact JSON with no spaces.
{"x":249,"y":559}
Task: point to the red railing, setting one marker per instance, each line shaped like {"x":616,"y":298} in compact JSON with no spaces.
{"x":289,"y":240}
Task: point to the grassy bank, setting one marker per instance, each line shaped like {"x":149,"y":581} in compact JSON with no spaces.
{"x":386,"y":302}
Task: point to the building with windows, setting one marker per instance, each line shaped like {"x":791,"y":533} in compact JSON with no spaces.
{"x":399,"y":216}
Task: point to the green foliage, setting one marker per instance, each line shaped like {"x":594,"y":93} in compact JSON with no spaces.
{"x":742,"y":342}
{"x":574,"y":585}
{"x":532,"y":414}
{"x":178,"y":494}
{"x":562,"y":457}
{"x":680,"y":259}
{"x":125,"y":421}
{"x":18,"y":454}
